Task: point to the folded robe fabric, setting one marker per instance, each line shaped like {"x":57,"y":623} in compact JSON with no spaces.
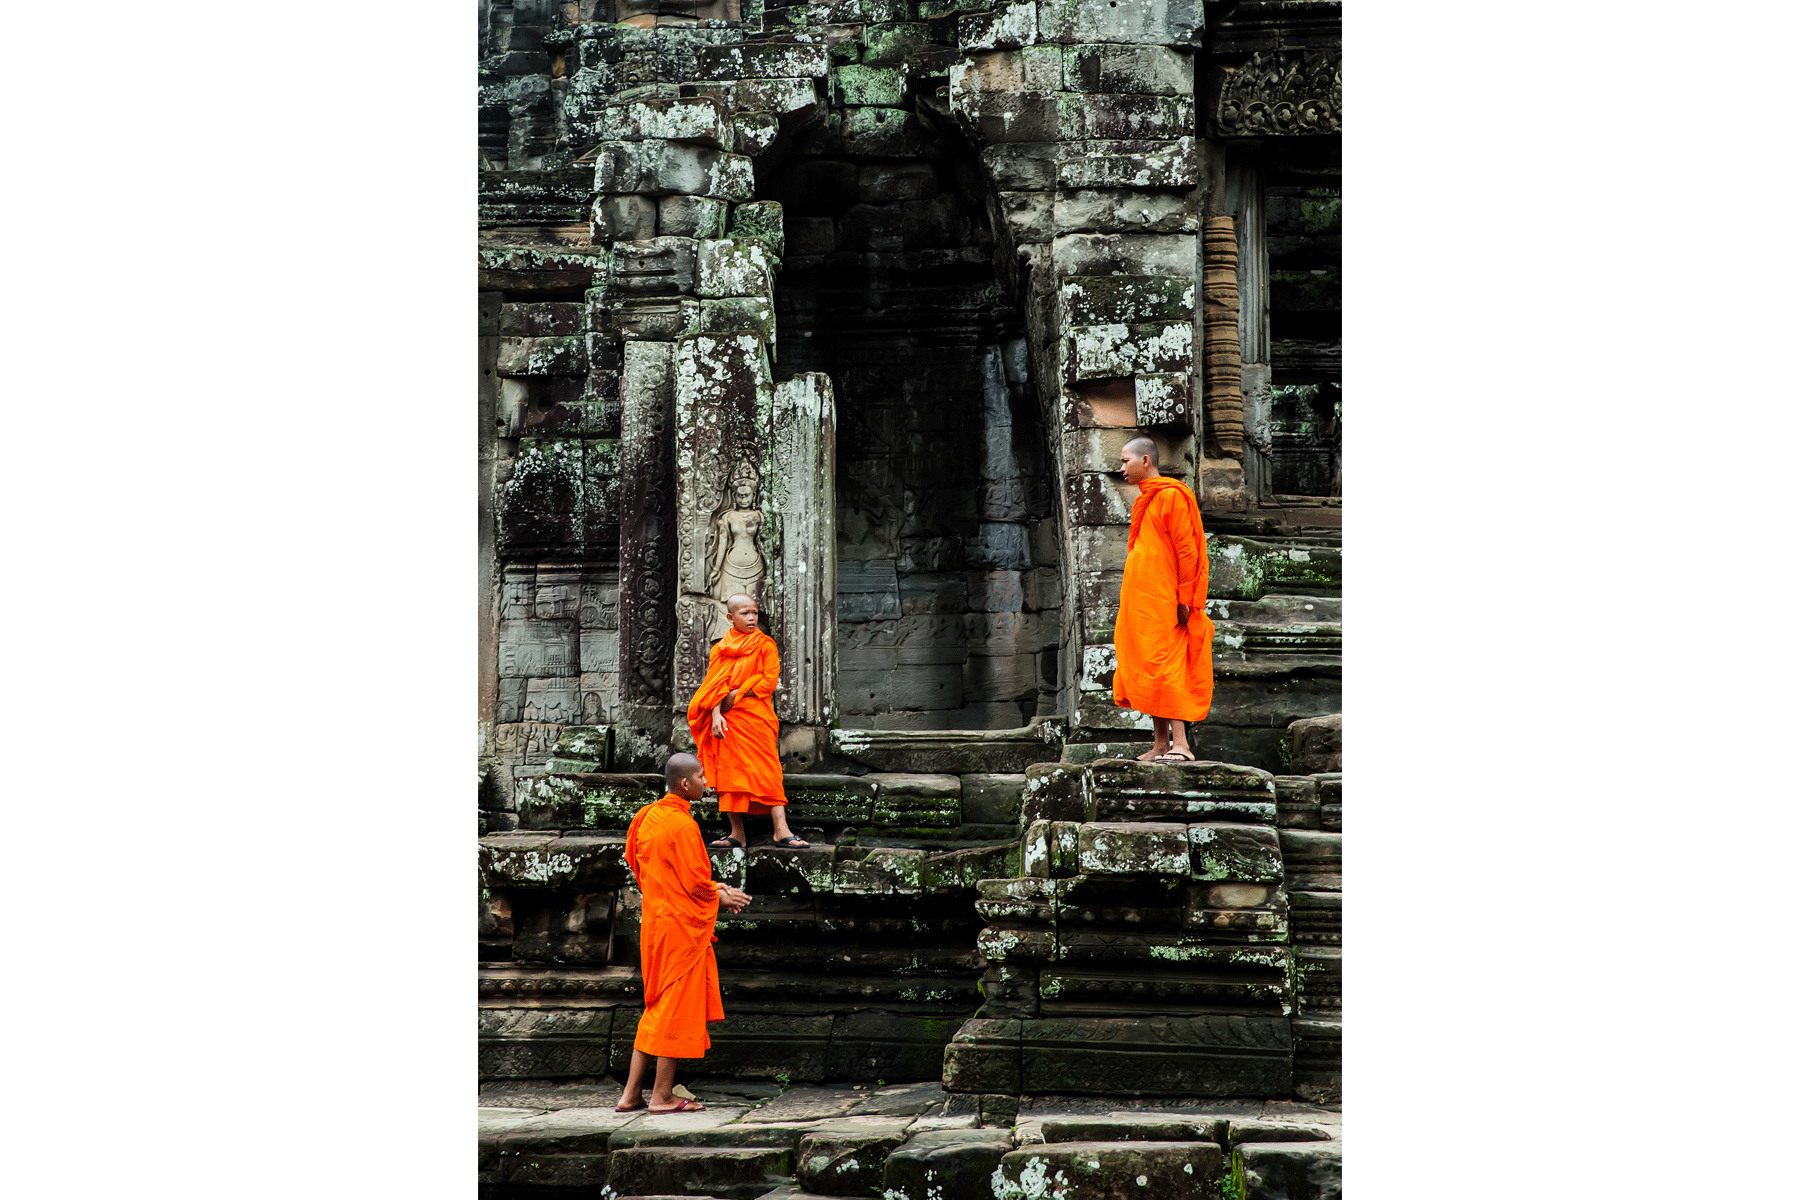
{"x":664,"y":849}
{"x":744,"y":766}
{"x":1164,"y":668}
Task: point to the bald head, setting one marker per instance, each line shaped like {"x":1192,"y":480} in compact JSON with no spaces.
{"x":741,"y":612}
{"x":1139,"y":459}
{"x":1140,"y":447}
{"x":733,"y":603}
{"x":682,"y":775}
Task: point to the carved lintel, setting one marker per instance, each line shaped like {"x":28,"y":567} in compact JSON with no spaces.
{"x":1284,"y":93}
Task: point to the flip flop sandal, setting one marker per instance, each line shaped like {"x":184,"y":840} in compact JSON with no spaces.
{"x":791,"y":842}
{"x":727,"y":843}
{"x":1174,"y":756}
{"x":680,"y":1106}
{"x":640,"y":1106}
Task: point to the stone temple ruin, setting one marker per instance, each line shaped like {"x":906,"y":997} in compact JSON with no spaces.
{"x":850,"y":305}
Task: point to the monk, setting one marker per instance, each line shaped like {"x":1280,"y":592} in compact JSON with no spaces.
{"x":675,"y":935}
{"x":1163,"y":638}
{"x":739,"y":750}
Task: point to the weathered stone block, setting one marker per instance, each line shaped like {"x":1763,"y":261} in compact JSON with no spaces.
{"x":884,"y":183}
{"x":539,"y":648}
{"x":1134,"y":849}
{"x":1316,"y":744}
{"x":1010,"y":24}
{"x":1109,"y":351}
{"x":691,"y":217}
{"x":624,"y":218}
{"x":648,"y":319}
{"x":847,"y":1159}
{"x":1029,"y":216}
{"x":1294,"y":1169}
{"x":1098,"y":548}
{"x":754,"y":132}
{"x":830,"y":799}
{"x":780,"y":871}
{"x":989,"y":799}
{"x":768,"y":61}
{"x":1120,"y":210}
{"x":1021,"y":166}
{"x":1244,"y":853}
{"x":999,"y":943}
{"x":584,"y":800}
{"x":946,"y":1164}
{"x":541,"y":860}
{"x":1152,"y":22}
{"x":1214,"y":1055}
{"x":732,"y":267}
{"x":882,"y":133}
{"x":780,"y":97}
{"x":1144,"y":69}
{"x":1125,"y":299}
{"x":917,"y":799}
{"x":1055,"y":792}
{"x":1124,"y":118}
{"x":760,"y":220}
{"x":676,"y":1170}
{"x":1165,"y":399}
{"x":1150,"y":163}
{"x":960,"y":870}
{"x":1125,"y":254}
{"x":878,"y":871}
{"x":656,"y":266}
{"x":698,"y":119}
{"x":659,"y":168}
{"x":998,"y":117}
{"x":1241,"y":568}
{"x":857,"y":86}
{"x":739,"y":314}
{"x":1111,"y":1170}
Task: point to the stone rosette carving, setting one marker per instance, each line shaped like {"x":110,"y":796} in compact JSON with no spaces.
{"x":1282,"y":93}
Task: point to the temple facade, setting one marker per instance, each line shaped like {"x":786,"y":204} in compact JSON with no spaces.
{"x":850,"y":306}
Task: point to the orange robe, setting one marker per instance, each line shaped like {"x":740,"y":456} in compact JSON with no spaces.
{"x":1165,"y":668}
{"x":744,"y":766}
{"x":681,"y":905}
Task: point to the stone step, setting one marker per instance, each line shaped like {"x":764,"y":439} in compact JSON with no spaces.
{"x":725,"y":1172}
{"x":1109,"y":1170}
{"x":954,"y":752}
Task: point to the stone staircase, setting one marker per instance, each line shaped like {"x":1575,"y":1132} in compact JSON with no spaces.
{"x":912,"y":1142}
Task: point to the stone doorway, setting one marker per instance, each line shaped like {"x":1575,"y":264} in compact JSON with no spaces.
{"x":949,"y":601}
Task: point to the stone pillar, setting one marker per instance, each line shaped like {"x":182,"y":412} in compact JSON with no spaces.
{"x":804,"y":458}
{"x":1219,"y":286}
{"x":755,"y":513}
{"x":646,"y":554}
{"x":1243,"y":201}
{"x":727,"y":526}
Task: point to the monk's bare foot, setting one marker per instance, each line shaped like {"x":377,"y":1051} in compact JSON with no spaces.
{"x":680,"y":1106}
{"x":1176,"y":754}
{"x":627,"y":1104}
{"x":1152,"y":754}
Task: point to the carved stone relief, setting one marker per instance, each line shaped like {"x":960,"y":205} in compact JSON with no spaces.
{"x":1277,"y":93}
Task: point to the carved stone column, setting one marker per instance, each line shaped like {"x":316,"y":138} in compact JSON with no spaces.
{"x":646,"y":555}
{"x":755,"y":513}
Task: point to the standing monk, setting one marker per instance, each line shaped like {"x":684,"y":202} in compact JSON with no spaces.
{"x":1163,"y":638}
{"x":675,"y":936}
{"x":739,"y":752}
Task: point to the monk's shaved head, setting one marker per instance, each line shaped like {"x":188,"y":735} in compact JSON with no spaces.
{"x":733,"y":603}
{"x":1143,"y":445}
{"x":679,"y":767}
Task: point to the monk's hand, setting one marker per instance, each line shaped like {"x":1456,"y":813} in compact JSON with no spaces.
{"x":718,"y":723}
{"x":733,"y":899}
{"x":1181,"y":614}
{"x":730,"y":699}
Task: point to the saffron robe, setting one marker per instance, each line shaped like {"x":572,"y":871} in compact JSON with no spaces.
{"x":675,"y":934}
{"x":1165,"y":668}
{"x":744,"y":766}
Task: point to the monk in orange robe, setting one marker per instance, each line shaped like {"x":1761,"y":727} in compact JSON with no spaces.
{"x":681,"y":904}
{"x":1163,"y":638}
{"x":740,"y":752}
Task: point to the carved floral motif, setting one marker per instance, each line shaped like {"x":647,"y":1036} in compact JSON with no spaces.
{"x":1283,"y":93}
